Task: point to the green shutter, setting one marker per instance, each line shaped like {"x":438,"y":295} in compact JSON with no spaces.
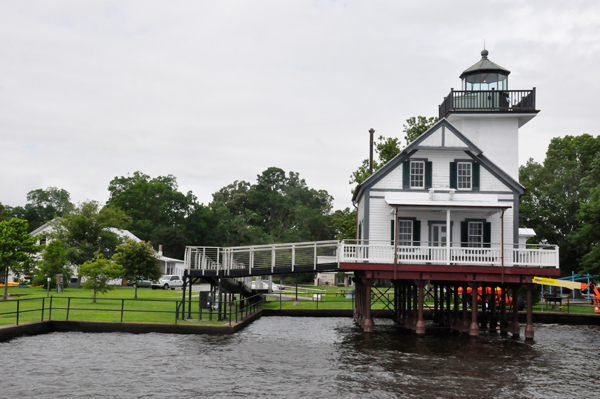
{"x":428,"y":178}
{"x":360,"y":231}
{"x":464,"y":233}
{"x":475,"y":167}
{"x":487,"y":234}
{"x":453,"y":174}
{"x":393,"y":231}
{"x":406,"y":174}
{"x":416,"y":233}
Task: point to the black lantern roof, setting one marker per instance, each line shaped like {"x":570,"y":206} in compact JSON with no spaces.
{"x":484,"y":65}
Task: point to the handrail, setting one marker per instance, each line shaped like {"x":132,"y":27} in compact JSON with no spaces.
{"x":488,"y":100}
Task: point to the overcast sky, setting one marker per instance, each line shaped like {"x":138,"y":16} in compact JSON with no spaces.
{"x":213,"y":92}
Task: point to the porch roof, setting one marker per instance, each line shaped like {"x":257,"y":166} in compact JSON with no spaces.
{"x":489,"y":202}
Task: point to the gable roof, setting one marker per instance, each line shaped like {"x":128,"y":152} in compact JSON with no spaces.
{"x":442,"y":137}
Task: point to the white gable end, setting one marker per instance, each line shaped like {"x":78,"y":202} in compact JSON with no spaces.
{"x":434,"y":140}
{"x":442,"y":137}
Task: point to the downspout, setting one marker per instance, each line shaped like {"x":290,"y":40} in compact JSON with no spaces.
{"x":502,"y":242}
{"x":395,"y":240}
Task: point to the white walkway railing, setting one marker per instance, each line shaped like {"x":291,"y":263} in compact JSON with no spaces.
{"x":263,"y":259}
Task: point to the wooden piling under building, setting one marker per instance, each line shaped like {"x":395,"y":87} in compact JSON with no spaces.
{"x":465,"y":298}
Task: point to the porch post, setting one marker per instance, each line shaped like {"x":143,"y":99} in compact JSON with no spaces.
{"x":368,"y":321}
{"x":502,"y":244}
{"x":529,"y":326}
{"x":474,"y":329}
{"x":516,"y":327}
{"x":420,"y":327}
{"x":465,"y":318}
{"x":455,"y":322}
{"x":448,"y":235}
{"x":503,"y":323}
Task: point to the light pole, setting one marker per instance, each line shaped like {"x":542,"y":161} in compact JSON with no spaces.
{"x":48,"y":292}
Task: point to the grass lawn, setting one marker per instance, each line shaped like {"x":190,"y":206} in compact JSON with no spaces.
{"x":152,"y":306}
{"x":158,"y":306}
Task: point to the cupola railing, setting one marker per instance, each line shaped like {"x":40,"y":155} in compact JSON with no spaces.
{"x":488,"y":101}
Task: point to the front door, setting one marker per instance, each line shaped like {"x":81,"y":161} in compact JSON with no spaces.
{"x":438,"y":239}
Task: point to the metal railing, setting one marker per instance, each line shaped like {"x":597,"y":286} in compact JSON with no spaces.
{"x":488,"y":100}
{"x":361,"y":251}
{"x":49,"y":305}
{"x":236,"y":310}
{"x":265,"y":257}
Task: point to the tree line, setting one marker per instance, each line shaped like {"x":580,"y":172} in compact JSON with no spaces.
{"x":561,"y":203}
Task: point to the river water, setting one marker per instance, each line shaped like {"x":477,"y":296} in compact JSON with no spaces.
{"x":284,"y":357}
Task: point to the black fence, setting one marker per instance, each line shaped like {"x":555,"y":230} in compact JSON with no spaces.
{"x":62,"y":308}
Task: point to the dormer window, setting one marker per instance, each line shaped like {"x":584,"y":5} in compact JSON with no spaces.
{"x":464,"y":175}
{"x":416,"y":174}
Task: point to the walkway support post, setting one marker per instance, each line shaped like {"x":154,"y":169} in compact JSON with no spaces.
{"x":189,"y":298}
{"x":529,"y":327}
{"x":220,"y":311}
{"x":185,"y":279}
{"x":474,"y":328}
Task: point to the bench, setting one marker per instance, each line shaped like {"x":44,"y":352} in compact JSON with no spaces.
{"x":553,"y":299}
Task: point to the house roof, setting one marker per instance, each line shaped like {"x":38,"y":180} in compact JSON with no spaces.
{"x":427,"y":141}
{"x":484,"y":65}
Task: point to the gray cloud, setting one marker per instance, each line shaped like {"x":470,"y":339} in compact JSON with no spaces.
{"x":213,"y":92}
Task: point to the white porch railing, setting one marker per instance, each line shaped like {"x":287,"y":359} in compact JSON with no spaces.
{"x":265,"y":258}
{"x":363,"y":251}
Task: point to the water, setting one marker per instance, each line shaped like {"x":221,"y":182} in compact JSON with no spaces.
{"x":281,"y":357}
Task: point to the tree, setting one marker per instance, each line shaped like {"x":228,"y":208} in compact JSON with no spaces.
{"x":344,"y":224}
{"x":589,"y":216}
{"x":157,"y":210}
{"x":89,"y":230}
{"x":98,"y":272}
{"x":16,"y":247}
{"x":388,"y":148}
{"x":417,"y":126}
{"x":556,"y":192}
{"x":54,"y":261}
{"x":138,"y":260}
{"x":5,"y":212}
{"x":43,"y":206}
{"x":287,"y":209}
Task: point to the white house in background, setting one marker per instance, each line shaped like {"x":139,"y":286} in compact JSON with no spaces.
{"x":456,"y":185}
{"x":167,"y":265}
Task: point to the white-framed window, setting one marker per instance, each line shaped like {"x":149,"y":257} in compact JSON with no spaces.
{"x":475,"y":234}
{"x":405,"y":232}
{"x":464,"y":175}
{"x":417,"y":174}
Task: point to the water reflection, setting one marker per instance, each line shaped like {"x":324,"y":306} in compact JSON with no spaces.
{"x":278,"y":357}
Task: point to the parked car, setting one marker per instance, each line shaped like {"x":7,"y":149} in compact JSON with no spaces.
{"x":168,"y":281}
{"x":140,"y":283}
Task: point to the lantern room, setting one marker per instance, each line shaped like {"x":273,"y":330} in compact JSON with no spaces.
{"x":485,"y":75}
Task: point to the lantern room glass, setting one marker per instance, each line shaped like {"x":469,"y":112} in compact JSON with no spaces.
{"x":485,"y":81}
